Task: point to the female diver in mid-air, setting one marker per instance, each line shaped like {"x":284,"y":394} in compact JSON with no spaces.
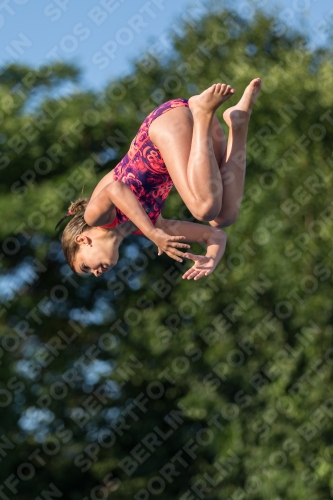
{"x":180,"y":143}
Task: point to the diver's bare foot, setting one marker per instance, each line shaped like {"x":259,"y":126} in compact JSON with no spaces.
{"x":210,"y":99}
{"x":239,"y":114}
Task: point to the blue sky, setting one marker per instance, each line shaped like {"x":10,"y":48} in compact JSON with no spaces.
{"x":104,"y":36}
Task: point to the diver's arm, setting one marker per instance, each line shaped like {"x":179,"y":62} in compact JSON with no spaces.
{"x":101,"y":211}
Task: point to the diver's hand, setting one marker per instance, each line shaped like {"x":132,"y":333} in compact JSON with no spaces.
{"x":169,"y":244}
{"x":203,"y":266}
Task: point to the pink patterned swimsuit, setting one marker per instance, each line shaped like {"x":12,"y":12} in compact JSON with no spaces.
{"x":144,"y":171}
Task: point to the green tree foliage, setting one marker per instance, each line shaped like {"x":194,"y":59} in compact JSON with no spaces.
{"x":140,"y":384}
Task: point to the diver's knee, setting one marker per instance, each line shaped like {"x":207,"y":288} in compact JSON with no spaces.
{"x":226,"y":220}
{"x":206,"y":211}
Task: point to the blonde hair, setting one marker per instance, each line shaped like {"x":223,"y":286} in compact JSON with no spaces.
{"x":75,"y":226}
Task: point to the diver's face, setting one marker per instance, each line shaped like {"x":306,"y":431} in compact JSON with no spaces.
{"x":96,"y":258}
